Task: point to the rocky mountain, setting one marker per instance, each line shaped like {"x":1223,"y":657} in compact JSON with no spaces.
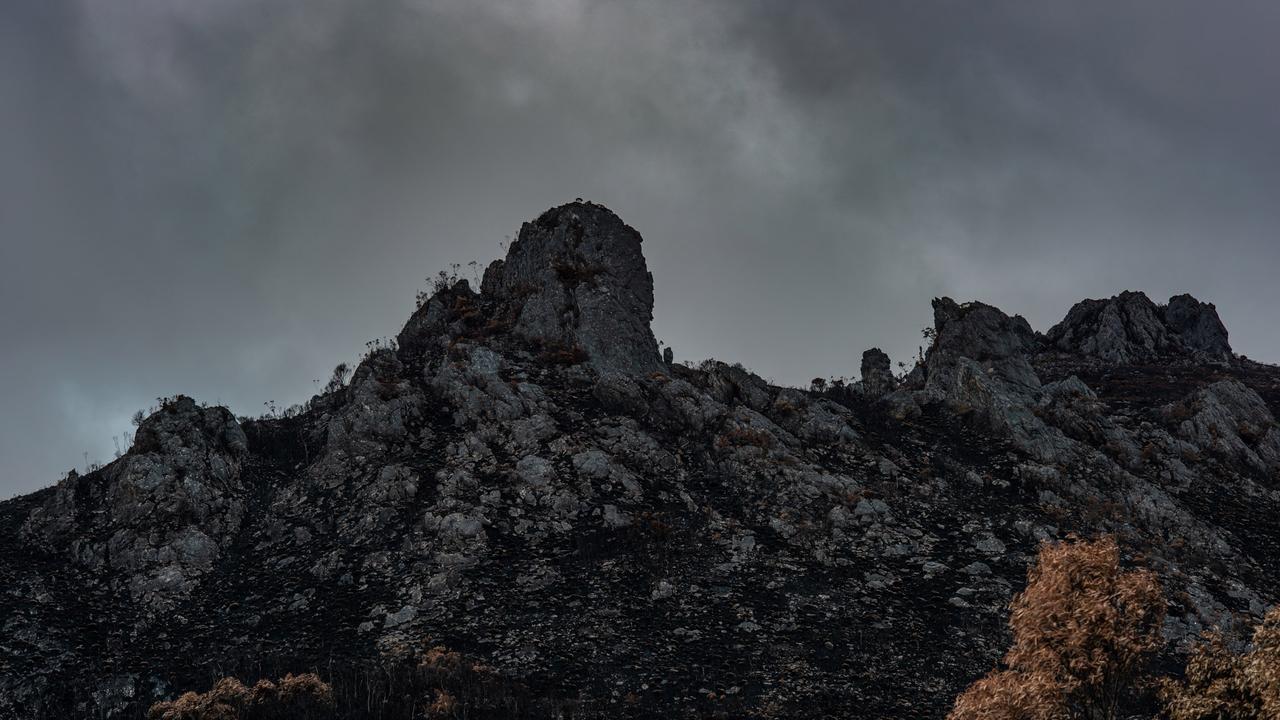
{"x":523,"y":479}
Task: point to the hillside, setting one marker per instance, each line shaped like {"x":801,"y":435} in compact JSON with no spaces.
{"x":522,"y":478}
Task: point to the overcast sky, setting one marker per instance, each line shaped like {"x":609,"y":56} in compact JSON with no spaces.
{"x":225,"y":198}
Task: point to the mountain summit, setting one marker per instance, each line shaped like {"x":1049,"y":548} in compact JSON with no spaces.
{"x":522,"y":479}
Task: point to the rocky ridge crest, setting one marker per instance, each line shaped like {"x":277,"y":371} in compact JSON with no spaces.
{"x":523,"y":478}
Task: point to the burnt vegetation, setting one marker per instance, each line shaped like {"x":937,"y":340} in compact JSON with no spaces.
{"x":419,"y":681}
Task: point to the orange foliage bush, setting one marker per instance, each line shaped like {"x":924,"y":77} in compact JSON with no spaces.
{"x":1221,"y":685}
{"x":1082,"y":631}
{"x":296,"y":697}
{"x":444,"y":706}
{"x":441,"y":683}
{"x":1011,"y":695}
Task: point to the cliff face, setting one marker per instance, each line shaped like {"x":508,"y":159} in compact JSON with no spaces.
{"x":523,"y":479}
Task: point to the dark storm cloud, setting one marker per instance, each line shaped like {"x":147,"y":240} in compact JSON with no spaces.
{"x":226,"y":198}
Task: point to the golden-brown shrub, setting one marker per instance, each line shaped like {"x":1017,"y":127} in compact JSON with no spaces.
{"x":444,"y":706}
{"x":223,"y":701}
{"x":295,"y":697}
{"x":442,"y":659}
{"x":783,"y":406}
{"x":1222,"y":685}
{"x":1082,"y":632}
{"x":1011,"y":695}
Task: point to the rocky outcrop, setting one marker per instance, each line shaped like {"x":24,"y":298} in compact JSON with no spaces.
{"x":1229,"y":420}
{"x":877,"y":374}
{"x":999,"y":344}
{"x":520,"y":476}
{"x":979,"y":363}
{"x":1123,"y":329}
{"x":580,"y":281}
{"x":1130,"y":328}
{"x":1198,"y":326}
{"x":160,"y":517}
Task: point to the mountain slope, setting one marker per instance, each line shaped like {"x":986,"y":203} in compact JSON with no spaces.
{"x":522,"y":478}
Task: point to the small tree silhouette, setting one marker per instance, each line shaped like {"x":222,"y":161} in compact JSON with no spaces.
{"x":339,"y":378}
{"x":1082,"y":633}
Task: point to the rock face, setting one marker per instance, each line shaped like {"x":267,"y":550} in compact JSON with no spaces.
{"x":521,"y":478}
{"x":580,"y":281}
{"x":1129,"y":328}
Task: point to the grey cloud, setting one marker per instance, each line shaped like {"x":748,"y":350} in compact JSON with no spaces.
{"x":227,"y":198}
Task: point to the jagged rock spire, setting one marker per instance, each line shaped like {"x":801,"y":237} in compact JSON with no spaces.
{"x":580,"y":280}
{"x":877,"y":373}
